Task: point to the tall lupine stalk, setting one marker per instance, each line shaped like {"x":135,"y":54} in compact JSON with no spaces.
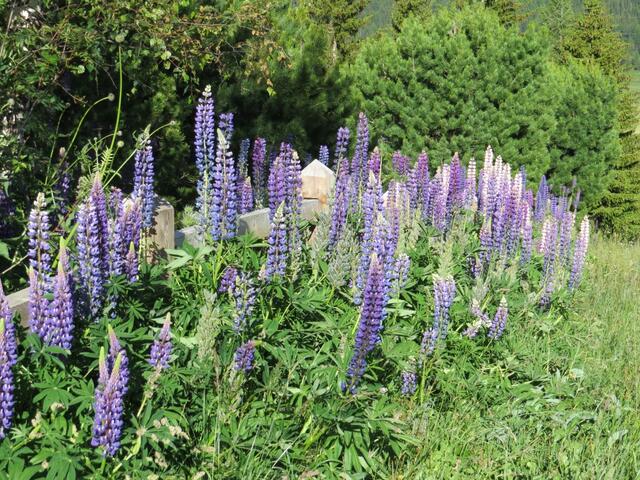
{"x":108,"y":406}
{"x":40,"y":264}
{"x":246,"y":196}
{"x":277,"y":252}
{"x":205,"y":152}
{"x":243,"y":159}
{"x":58,"y":327}
{"x":244,"y":296}
{"x":470,"y":193}
{"x":323,"y":155}
{"x":259,"y":169}
{"x":342,"y":145}
{"x":224,"y":199}
{"x":372,"y":207}
{"x":6,"y":380}
{"x":548,"y":247}
{"x":567,"y":220}
{"x":579,"y":254}
{"x":340,"y":205}
{"x":359,"y":162}
{"x":375,"y":162}
{"x":162,"y":346}
{"x":526,"y":235}
{"x":293,"y":204}
{"x":117,"y":245}
{"x":372,"y":314}
{"x":420,"y":180}
{"x":244,"y":357}
{"x":542,"y":198}
{"x":277,"y":185}
{"x":143,"y":178}
{"x":400,"y":163}
{"x":6,"y":315}
{"x":444,"y":292}
{"x":499,"y":321}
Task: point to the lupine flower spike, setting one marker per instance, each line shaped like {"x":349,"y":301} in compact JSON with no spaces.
{"x":108,"y":406}
{"x":161,"y":348}
{"x":9,"y":328}
{"x":6,"y":381}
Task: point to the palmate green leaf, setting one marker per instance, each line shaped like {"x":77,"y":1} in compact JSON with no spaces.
{"x":18,"y":471}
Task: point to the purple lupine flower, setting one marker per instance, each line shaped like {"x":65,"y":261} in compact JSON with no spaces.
{"x":277,"y":252}
{"x":358,"y":162}
{"x":422,"y":178}
{"x":9,"y":328}
{"x":246,"y":196}
{"x":224,"y":208}
{"x":375,"y":162}
{"x":117,"y":351}
{"x":372,"y":315}
{"x":244,"y":294}
{"x":117,"y":247}
{"x":580,"y":248}
{"x":470,"y":196}
{"x":205,"y":152}
{"x":293,"y":204}
{"x":428,"y":343}
{"x":323,"y":155}
{"x":6,"y":381}
{"x":409,"y":383}
{"x":499,"y":321}
{"x":342,"y":145}
{"x":400,"y":163}
{"x":400,"y":273}
{"x":108,"y":406}
{"x":454,"y":183}
{"x":526,"y":236}
{"x":132,"y":221}
{"x":564,"y":244}
{"x":161,"y":347}
{"x":58,"y":326}
{"x":277,"y":185}
{"x":228,"y":279}
{"x":40,"y":265}
{"x":444,"y":291}
{"x":438,"y":194}
{"x":244,"y":357}
{"x":542,"y":198}
{"x":548,"y":247}
{"x":340,"y":206}
{"x":371,"y":208}
{"x":258,"y":169}
{"x":131,"y":264}
{"x":243,"y":158}
{"x":225,"y":123}
{"x":143,"y":183}
{"x":98,"y":201}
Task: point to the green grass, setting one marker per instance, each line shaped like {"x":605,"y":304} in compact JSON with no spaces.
{"x":561,"y":399}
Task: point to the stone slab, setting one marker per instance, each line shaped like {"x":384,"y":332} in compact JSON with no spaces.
{"x":318,"y":182}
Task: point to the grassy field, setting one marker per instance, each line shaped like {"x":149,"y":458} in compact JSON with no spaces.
{"x":561,"y":400}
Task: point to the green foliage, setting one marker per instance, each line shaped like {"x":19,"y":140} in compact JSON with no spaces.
{"x":343,"y":18}
{"x":584,"y":143}
{"x":463,"y":81}
{"x":402,"y":9}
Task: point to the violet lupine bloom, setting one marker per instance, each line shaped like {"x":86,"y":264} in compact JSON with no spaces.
{"x":58,"y":326}
{"x":244,"y":357}
{"x":409,"y":383}
{"x":205,"y":152}
{"x":225,"y":123}
{"x":371,"y":208}
{"x":294,"y":191}
{"x":359,"y":160}
{"x":277,"y":185}
{"x":228,"y":279}
{"x":246,"y":196}
{"x":542,"y":198}
{"x":438,"y":194}
{"x":108,"y":406}
{"x":244,"y":294}
{"x":258,"y":169}
{"x":342,"y":145}
{"x":421,"y":179}
{"x":499,"y":321}
{"x":444,"y":291}
{"x":40,"y":264}
{"x":428,"y":343}
{"x":400,"y":273}
{"x":526,"y":236}
{"x":323,"y":155}
{"x":224,"y":208}
{"x":243,"y":158}
{"x":9,"y":328}
{"x":6,"y":381}
{"x":470,"y":197}
{"x":161,"y":347}
{"x":372,"y":313}
{"x":340,"y":206}
{"x":116,"y":351}
{"x":375,"y":162}
{"x":117,"y":245}
{"x":567,"y":221}
{"x":143,"y":183}
{"x":400,"y":163}
{"x":580,"y":248}
{"x":277,"y":253}
{"x":131,"y":264}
